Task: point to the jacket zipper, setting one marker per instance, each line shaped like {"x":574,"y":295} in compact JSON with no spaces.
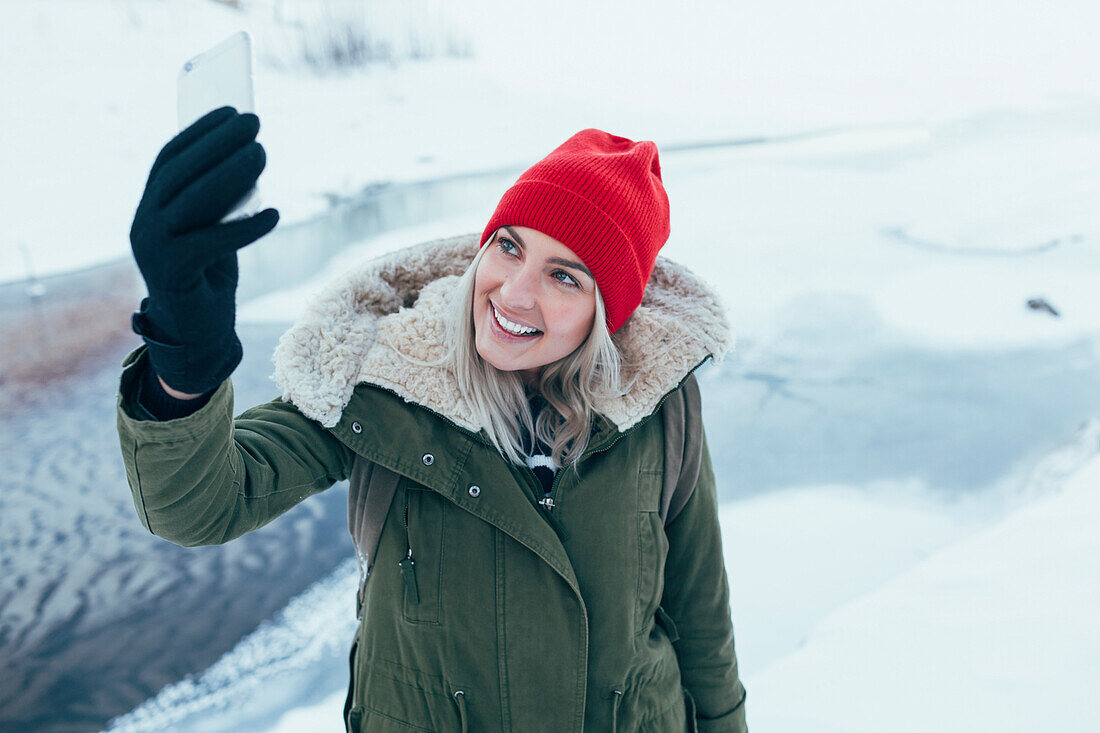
{"x":407,"y":563}
{"x":546,"y":502}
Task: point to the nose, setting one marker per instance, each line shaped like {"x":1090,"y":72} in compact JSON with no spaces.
{"x":517,"y":292}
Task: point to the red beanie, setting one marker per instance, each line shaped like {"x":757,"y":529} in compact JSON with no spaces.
{"x":601,"y":196}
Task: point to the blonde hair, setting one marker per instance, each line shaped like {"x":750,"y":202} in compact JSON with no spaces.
{"x":499,"y":399}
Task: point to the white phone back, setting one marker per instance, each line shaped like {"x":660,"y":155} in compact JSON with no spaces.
{"x":215,"y":78}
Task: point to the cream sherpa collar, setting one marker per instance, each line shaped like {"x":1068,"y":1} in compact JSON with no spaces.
{"x":351,"y":332}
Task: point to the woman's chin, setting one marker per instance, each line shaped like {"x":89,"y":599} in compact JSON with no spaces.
{"x":497,"y":363}
{"x":490,"y":355}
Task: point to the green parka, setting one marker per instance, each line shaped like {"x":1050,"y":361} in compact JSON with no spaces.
{"x":594,"y":618}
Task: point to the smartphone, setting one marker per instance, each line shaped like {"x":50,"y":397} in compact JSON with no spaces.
{"x":215,"y":78}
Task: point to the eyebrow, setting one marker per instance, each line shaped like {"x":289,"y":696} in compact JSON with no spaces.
{"x":555,"y":260}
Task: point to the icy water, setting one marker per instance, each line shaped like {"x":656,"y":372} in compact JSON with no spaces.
{"x":955,"y":422}
{"x":97,"y":616}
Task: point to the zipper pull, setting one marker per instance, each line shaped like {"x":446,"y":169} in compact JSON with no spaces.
{"x":547,"y":502}
{"x":408,"y":572}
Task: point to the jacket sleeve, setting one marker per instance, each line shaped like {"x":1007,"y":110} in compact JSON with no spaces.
{"x":208,"y":478}
{"x":696,"y":596}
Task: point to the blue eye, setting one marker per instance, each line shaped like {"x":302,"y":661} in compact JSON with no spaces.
{"x":502,"y":243}
{"x":571,"y":282}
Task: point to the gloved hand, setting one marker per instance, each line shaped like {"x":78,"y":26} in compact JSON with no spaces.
{"x":187,"y":258}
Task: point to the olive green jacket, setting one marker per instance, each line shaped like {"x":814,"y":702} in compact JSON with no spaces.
{"x":483,"y":610}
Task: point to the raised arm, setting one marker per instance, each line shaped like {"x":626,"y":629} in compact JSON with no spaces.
{"x":197,"y":475}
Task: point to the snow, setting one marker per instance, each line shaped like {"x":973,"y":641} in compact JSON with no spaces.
{"x":995,"y":632}
{"x":927,"y":225}
{"x":923,"y":172}
{"x":91,"y":92}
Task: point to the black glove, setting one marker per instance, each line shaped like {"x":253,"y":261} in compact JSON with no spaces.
{"x":188,"y":259}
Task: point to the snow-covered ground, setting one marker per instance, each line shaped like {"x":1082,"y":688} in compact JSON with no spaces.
{"x":996,"y":632}
{"x":89,"y":89}
{"x":929,"y":562}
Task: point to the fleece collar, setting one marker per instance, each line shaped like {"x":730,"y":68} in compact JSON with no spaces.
{"x":352,"y":332}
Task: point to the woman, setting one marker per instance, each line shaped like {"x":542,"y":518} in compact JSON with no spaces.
{"x":494,"y":403}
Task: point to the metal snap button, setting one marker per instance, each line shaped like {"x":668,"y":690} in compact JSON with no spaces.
{"x":356,"y":427}
{"x":428,"y":459}
{"x":475,"y":490}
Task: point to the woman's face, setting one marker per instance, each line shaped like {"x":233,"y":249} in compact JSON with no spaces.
{"x":541,"y":290}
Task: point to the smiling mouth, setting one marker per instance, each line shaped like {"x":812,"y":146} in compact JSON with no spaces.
{"x":510,"y":328}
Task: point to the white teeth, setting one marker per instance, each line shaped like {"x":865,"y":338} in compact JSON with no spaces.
{"x":512,"y":327}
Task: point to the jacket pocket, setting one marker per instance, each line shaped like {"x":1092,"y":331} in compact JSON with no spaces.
{"x":422,"y":567}
{"x":652,"y":549}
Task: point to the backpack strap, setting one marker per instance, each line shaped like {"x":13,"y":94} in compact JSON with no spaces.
{"x":683,"y":422}
{"x":369,"y":510}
